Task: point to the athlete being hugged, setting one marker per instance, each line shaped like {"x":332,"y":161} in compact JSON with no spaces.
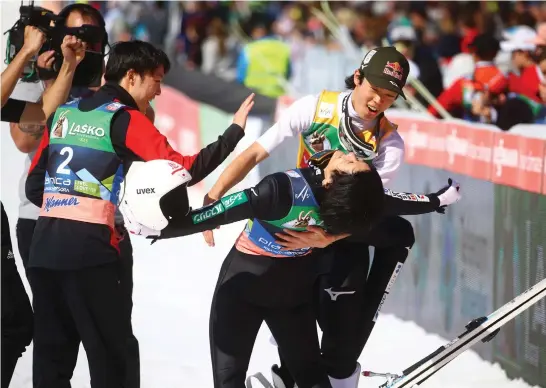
{"x":260,"y":280}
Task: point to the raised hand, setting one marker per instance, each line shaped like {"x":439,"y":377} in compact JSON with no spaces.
{"x":242,"y":114}
{"x":73,"y":50}
{"x":34,"y":39}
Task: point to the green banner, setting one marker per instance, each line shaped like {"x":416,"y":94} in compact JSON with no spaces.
{"x":212,"y":123}
{"x":465,"y":264}
{"x":520,"y":238}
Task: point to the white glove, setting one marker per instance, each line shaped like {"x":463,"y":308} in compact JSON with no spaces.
{"x":134,"y":227}
{"x":451,"y":195}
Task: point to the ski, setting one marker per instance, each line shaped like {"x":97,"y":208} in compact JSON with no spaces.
{"x":480,"y":329}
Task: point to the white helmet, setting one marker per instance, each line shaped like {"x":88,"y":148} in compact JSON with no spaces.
{"x":149,"y":198}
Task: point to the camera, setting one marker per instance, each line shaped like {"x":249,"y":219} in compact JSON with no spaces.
{"x":89,"y":71}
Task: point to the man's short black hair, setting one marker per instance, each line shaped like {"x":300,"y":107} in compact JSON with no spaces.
{"x":352,"y":202}
{"x":350,"y":80}
{"x":140,"y":56}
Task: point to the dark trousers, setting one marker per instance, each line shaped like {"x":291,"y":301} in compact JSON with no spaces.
{"x":350,"y":294}
{"x":25,"y":230}
{"x":17,"y":318}
{"x":84,"y":305}
{"x":347,"y":322}
{"x":247,"y":295}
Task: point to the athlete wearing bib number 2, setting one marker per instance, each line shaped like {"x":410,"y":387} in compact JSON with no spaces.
{"x":73,"y":269}
{"x":85,"y":173}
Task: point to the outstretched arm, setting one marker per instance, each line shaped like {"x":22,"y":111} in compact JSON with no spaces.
{"x":406,"y":204}
{"x":270,"y":199}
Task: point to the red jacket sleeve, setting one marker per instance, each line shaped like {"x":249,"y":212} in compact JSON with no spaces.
{"x":450,"y":98}
{"x":148,"y":143}
{"x":34,"y":185}
{"x":135,"y":138}
{"x":527,"y":83}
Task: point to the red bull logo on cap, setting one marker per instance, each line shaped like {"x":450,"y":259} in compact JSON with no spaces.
{"x":394,"y":70}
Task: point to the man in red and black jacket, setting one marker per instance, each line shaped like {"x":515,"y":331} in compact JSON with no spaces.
{"x":487,"y":77}
{"x":72,"y":267}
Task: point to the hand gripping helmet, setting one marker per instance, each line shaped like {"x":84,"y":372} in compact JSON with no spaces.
{"x":153,"y":193}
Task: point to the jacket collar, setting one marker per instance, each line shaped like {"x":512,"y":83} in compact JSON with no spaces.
{"x":119,"y":93}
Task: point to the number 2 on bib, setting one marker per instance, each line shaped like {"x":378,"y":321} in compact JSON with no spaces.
{"x":62,"y":167}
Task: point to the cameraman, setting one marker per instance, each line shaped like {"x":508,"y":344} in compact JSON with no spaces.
{"x":27,"y":138}
{"x":22,"y":112}
{"x":16,"y":310}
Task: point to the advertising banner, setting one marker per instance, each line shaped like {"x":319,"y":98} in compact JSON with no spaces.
{"x":520,"y":239}
{"x":177,"y":117}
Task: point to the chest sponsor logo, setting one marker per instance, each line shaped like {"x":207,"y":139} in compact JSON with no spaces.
{"x":53,"y":202}
{"x":274,"y":248}
{"x":303,"y":220}
{"x":86,"y":130}
{"x":326,"y":110}
{"x":57,"y":184}
{"x":318,"y":141}
{"x":60,"y":128}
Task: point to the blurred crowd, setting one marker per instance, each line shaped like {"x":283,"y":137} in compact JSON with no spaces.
{"x":483,"y":61}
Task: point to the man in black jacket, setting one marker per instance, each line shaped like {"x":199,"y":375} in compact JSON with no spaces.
{"x":73,"y":269}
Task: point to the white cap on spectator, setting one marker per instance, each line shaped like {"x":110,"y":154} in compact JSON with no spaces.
{"x":519,"y":38}
{"x":403,"y":33}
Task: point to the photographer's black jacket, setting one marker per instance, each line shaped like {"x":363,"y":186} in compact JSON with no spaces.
{"x":271,"y":199}
{"x":13,"y":110}
{"x":67,"y":244}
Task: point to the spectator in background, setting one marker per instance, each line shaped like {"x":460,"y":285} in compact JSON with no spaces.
{"x":468,"y":26}
{"x":524,"y":79}
{"x":152,"y":25}
{"x":218,"y":51}
{"x":264,"y":64}
{"x":426,"y":69}
{"x":457,"y":99}
{"x":117,"y":26}
{"x":195,"y":17}
{"x":507,"y":110}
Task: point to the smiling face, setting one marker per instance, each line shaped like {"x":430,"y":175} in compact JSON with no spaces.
{"x":369,"y":100}
{"x":144,"y":88}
